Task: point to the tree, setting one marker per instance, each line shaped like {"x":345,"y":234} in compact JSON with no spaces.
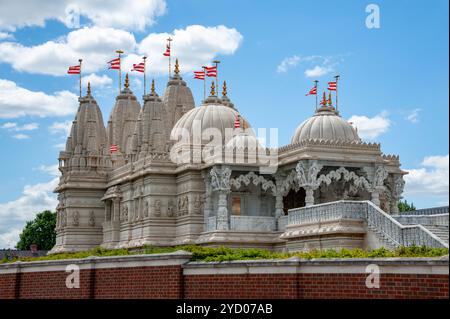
{"x":40,"y":231}
{"x":404,"y":206}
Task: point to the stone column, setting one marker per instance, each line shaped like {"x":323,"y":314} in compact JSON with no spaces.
{"x":222,"y":211}
{"x":375,"y":197}
{"x":279,"y":205}
{"x":116,"y":210}
{"x":309,"y":198}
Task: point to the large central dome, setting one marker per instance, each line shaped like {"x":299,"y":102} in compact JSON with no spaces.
{"x":327,"y":125}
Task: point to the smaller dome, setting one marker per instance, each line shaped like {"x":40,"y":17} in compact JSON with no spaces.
{"x":243,"y":141}
{"x":327,"y":125}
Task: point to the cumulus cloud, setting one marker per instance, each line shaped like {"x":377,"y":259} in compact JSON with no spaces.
{"x":96,"y":80}
{"x":314,"y":65}
{"x":16,"y":101}
{"x":413,"y":116}
{"x":52,"y":170}
{"x":371,"y":127}
{"x":21,"y":136}
{"x":130,"y":15}
{"x":12,"y":126}
{"x":194,"y":46}
{"x":95,"y":45}
{"x":5,"y":35}
{"x":14,"y":214}
{"x":61,"y":128}
{"x":429,"y":180}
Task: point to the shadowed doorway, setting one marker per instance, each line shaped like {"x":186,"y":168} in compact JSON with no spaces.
{"x":294,"y":199}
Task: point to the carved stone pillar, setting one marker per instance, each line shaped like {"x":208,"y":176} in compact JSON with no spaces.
{"x":116,"y":210}
{"x":309,"y":198}
{"x":279,"y":205}
{"x":397,"y":190}
{"x":375,"y":197}
{"x":222,"y":211}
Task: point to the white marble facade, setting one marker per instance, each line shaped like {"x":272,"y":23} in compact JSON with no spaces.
{"x":139,"y":195}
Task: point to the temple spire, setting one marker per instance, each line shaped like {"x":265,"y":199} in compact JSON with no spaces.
{"x":127,"y":81}
{"x":329,"y":99}
{"x":177,"y":67}
{"x":224,"y":90}
{"x":213,"y":89}
{"x":324,"y":100}
{"x":89,"y":88}
{"x":153,"y":92}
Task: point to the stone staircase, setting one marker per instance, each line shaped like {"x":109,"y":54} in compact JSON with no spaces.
{"x":439,"y":231}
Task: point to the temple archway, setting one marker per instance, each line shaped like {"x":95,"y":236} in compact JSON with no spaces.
{"x":294,"y":199}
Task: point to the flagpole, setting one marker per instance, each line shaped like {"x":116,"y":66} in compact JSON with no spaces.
{"x":337,"y":78}
{"x":217,"y":72}
{"x":80,"y":60}
{"x":315,"y":82}
{"x":144,"y":74}
{"x":120,"y":70}
{"x":204,"y":83}
{"x":170,"y":57}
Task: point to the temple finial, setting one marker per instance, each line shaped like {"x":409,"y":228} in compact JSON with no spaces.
{"x":127,"y":81}
{"x":89,"y":88}
{"x":153,"y":88}
{"x":213,"y":89}
{"x":329,"y":99}
{"x":224,"y":90}
{"x":324,"y":100}
{"x":177,"y":67}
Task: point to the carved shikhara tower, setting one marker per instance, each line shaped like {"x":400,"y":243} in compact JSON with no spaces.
{"x":139,"y":196}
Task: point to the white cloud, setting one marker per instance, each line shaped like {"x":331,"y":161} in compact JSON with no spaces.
{"x":94,"y":45}
{"x":50,"y":169}
{"x":288,"y":63}
{"x":430,"y":180}
{"x":371,"y":128}
{"x":317,"y":71}
{"x":16,"y":101}
{"x":14,"y":214}
{"x":12,"y":126}
{"x":60,"y":146}
{"x":5,"y":35}
{"x":61,"y":127}
{"x":195,"y":46}
{"x":413,"y":116}
{"x":21,"y":136}
{"x":130,"y":15}
{"x":96,"y":80}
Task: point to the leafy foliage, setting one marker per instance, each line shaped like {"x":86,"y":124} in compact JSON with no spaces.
{"x":404,"y":206}
{"x":219,"y":254}
{"x":40,"y":231}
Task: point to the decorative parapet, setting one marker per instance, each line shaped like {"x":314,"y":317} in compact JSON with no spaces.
{"x":329,"y":143}
{"x":375,"y":218}
{"x":428,"y":211}
{"x":427,"y":220}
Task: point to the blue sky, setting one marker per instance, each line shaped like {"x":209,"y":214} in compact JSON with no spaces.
{"x":394,"y":79}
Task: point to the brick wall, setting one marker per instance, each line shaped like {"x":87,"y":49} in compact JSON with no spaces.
{"x":172,"y":276}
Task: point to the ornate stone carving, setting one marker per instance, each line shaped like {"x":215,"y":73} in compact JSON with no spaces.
{"x":197,"y":204}
{"x":124,"y":213}
{"x":308,"y":176}
{"x":380,"y":175}
{"x":170,"y":208}
{"x":342,"y":172}
{"x":399,"y":185}
{"x":75,"y":218}
{"x":220,"y":178}
{"x":255,"y":179}
{"x":157,"y":207}
{"x":91,"y":219}
{"x":183,"y":205}
{"x":146,"y":209}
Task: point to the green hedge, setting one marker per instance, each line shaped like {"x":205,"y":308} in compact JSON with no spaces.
{"x":200,"y":253}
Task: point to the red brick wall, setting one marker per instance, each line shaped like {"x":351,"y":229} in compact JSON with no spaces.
{"x":169,"y":282}
{"x":315,"y":286}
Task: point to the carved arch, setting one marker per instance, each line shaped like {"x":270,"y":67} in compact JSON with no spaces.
{"x":251,"y":177}
{"x":342,"y":172}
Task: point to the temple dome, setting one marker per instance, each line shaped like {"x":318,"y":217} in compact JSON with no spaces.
{"x":325,"y":124}
{"x":211,"y":114}
{"x":244,"y":142}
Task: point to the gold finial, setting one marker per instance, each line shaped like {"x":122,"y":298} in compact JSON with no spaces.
{"x":224,"y":90}
{"x":329,"y":99}
{"x":324,"y":100}
{"x":177,"y":67}
{"x":153,"y":88}
{"x":127,"y":81}
{"x":213,"y":89}
{"x":89,"y":88}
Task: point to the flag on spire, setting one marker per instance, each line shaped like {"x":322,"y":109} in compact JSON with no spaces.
{"x":237,"y":122}
{"x":167,"y":52}
{"x":140,"y":67}
{"x":313,"y":91}
{"x":76,"y":69}
{"x":211,"y":71}
{"x":199,"y":75}
{"x":332,"y":86}
{"x":113,"y":148}
{"x":114,"y":64}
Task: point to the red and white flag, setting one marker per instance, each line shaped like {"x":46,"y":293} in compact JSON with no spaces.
{"x":167,"y":53}
{"x":139,"y":67}
{"x":114,"y":64}
{"x":113,"y":148}
{"x":76,"y":69}
{"x":237,"y":122}
{"x":332,"y":86}
{"x":211,"y":71}
{"x":199,"y":75}
{"x":313,"y":91}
